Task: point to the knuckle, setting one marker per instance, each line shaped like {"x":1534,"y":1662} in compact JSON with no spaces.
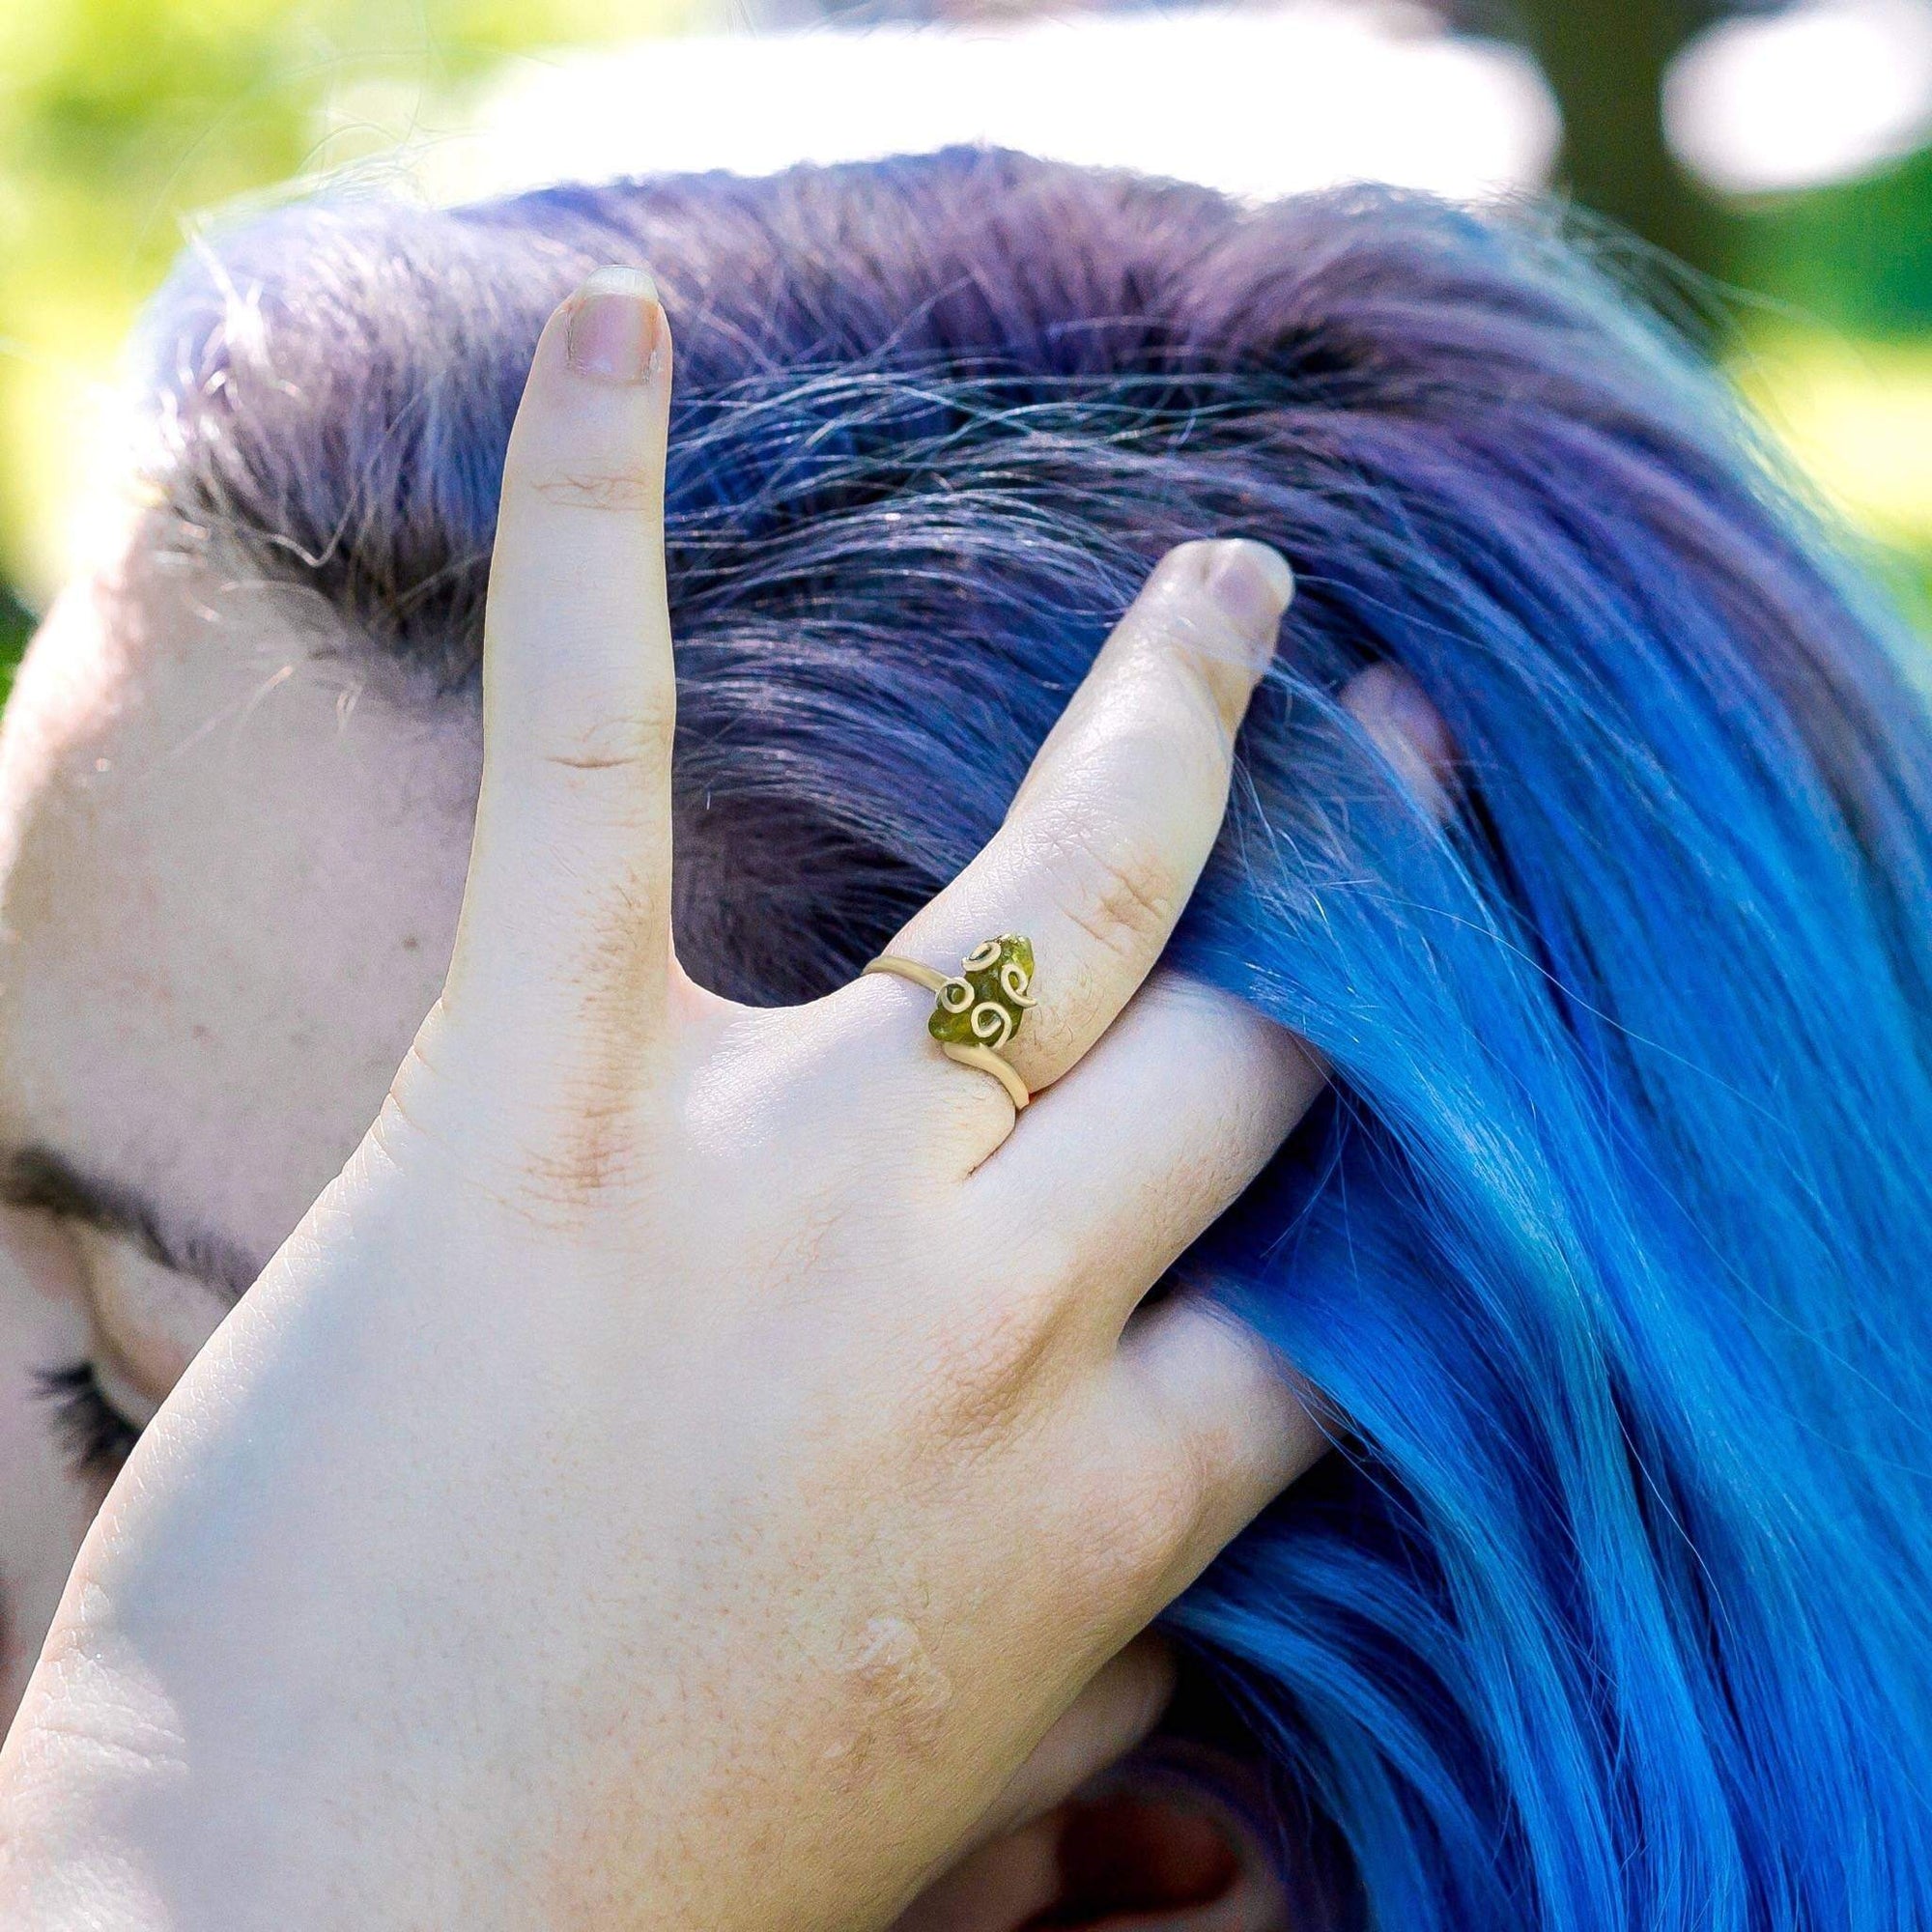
{"x":1120,"y":889}
{"x":1159,"y":1520}
{"x":585,"y":1152}
{"x":604,"y":742}
{"x":936,"y":1119}
{"x":983,"y":1373}
{"x":1137,"y":1534}
{"x":625,"y":491}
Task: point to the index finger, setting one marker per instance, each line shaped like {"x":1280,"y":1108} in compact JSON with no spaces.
{"x":566,"y":915}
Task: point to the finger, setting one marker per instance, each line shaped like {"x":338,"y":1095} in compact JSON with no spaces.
{"x":1196,"y":1390}
{"x":1105,"y":839}
{"x":1150,"y":1140}
{"x":566,"y":917}
{"x":1006,"y":1869}
{"x":1122,"y":1703}
{"x":1157,"y":1131}
{"x":1408,"y":732}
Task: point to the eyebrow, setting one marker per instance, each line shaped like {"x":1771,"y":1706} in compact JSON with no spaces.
{"x":41,"y":1178}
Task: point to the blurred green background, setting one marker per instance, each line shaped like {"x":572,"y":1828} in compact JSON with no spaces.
{"x":121,"y":120}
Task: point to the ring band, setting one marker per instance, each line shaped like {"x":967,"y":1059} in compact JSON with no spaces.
{"x":978,"y":1008}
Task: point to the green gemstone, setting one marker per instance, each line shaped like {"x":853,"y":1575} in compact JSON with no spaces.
{"x":976,"y":1007}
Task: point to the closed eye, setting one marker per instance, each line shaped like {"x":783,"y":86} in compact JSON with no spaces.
{"x":94,"y":1437}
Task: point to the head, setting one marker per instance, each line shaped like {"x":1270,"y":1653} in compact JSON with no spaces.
{"x":1606,"y":1249}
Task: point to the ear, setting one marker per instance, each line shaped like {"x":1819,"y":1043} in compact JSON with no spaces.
{"x":1172,"y":1839}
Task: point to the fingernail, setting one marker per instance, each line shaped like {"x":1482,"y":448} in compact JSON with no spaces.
{"x":1420,"y":724}
{"x":614,"y":329}
{"x":1253,"y":586}
{"x":1409,"y":730}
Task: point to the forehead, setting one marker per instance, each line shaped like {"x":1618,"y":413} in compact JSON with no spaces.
{"x":230,"y":867}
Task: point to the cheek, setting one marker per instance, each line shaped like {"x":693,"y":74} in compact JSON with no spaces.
{"x":45,"y":1509}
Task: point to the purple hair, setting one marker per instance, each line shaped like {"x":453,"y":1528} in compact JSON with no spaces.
{"x":1608,"y":1243}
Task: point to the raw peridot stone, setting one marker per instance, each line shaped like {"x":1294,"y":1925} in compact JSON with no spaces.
{"x":984,"y":1002}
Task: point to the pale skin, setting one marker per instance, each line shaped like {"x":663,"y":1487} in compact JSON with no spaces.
{"x":689,"y":1469}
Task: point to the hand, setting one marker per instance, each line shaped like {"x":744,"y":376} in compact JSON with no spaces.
{"x":694,"y":1454}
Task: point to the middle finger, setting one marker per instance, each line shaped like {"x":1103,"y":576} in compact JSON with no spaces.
{"x":1104,"y":843}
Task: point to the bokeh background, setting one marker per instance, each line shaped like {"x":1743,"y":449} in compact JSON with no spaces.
{"x":1782,"y":149}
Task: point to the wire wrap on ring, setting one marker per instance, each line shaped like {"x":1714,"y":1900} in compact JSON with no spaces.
{"x":978,"y":1010}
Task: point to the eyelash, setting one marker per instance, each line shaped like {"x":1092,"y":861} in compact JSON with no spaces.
{"x":96,"y":1436}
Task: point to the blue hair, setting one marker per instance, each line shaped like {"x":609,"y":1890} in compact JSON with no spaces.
{"x":1607,"y":1249}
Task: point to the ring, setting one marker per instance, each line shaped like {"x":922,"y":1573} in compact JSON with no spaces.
{"x":978,"y":1008}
